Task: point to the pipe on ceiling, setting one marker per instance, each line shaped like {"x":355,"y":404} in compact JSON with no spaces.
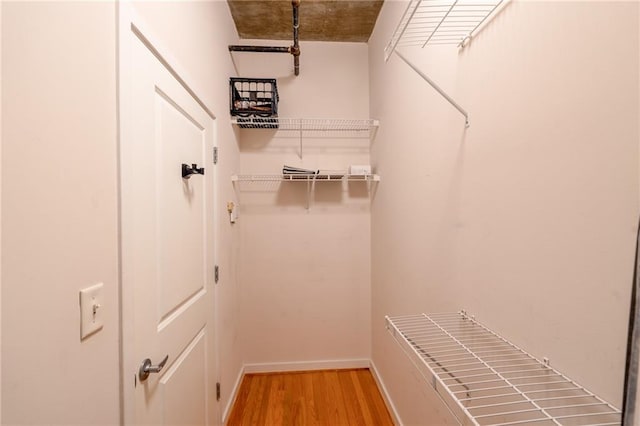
{"x":294,"y":50}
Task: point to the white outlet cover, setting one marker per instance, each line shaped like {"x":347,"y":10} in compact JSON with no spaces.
{"x":91,"y":308}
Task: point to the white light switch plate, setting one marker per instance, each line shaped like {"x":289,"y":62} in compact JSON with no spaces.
{"x":91,"y":308}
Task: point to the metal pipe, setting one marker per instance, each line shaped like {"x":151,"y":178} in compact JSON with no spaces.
{"x":295,"y":49}
{"x":267,"y":49}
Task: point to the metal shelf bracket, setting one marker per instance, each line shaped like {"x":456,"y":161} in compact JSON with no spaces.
{"x":436,"y":87}
{"x":434,"y":22}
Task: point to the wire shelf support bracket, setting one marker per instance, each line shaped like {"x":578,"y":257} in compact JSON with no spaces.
{"x":434,"y":22}
{"x":438,"y":89}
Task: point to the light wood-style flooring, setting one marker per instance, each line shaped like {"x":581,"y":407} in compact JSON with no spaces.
{"x":325,"y":397}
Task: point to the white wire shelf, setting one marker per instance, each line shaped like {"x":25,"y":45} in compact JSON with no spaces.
{"x":306,"y":178}
{"x":430,"y":22}
{"x":307,"y":124}
{"x":271,"y":182}
{"x":486,"y":380}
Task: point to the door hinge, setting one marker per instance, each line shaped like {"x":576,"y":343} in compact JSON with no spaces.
{"x":216,"y":274}
{"x":218,"y":391}
{"x":215,"y":155}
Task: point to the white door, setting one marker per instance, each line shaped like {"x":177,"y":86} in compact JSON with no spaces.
{"x":167,"y":243}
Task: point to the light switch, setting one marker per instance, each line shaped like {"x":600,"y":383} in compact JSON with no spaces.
{"x":91,"y":310}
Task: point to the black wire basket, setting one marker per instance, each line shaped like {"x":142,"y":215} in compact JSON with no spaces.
{"x":253,"y":97}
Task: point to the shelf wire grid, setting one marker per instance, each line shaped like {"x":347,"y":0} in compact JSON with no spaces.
{"x":431,"y":22}
{"x":486,"y":380}
{"x":323,"y":177}
{"x":307,"y":124}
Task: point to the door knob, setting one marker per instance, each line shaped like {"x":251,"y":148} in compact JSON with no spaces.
{"x":147,"y":368}
{"x":187,"y":170}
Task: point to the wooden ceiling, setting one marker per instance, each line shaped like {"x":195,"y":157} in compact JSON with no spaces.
{"x":320,"y":20}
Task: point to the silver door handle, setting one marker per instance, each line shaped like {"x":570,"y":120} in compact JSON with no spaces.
{"x":147,"y":368}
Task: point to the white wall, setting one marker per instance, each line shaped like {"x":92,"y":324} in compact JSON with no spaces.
{"x":59,"y":211}
{"x":306,"y":273}
{"x":527,"y":218}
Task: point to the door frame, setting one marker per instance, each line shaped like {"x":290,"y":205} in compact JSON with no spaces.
{"x":130,"y":26}
{"x":0,"y":217}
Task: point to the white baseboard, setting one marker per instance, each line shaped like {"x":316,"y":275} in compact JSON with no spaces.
{"x":232,"y":396}
{"x":385,"y":394}
{"x":306,"y":365}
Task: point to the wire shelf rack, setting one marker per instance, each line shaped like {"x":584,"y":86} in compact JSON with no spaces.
{"x":430,"y":22}
{"x":321,"y":177}
{"x":264,"y":182}
{"x":486,"y":380}
{"x":306,"y":124}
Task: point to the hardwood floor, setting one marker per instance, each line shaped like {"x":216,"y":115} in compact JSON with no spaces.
{"x":326,"y":397}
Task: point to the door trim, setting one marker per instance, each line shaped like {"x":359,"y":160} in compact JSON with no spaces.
{"x":0,"y":222}
{"x":128,"y":26}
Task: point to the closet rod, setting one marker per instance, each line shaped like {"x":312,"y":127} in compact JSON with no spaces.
{"x":438,"y":89}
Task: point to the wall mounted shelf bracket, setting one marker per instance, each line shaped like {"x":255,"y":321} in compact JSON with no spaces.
{"x":431,"y":22}
{"x":438,"y":88}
